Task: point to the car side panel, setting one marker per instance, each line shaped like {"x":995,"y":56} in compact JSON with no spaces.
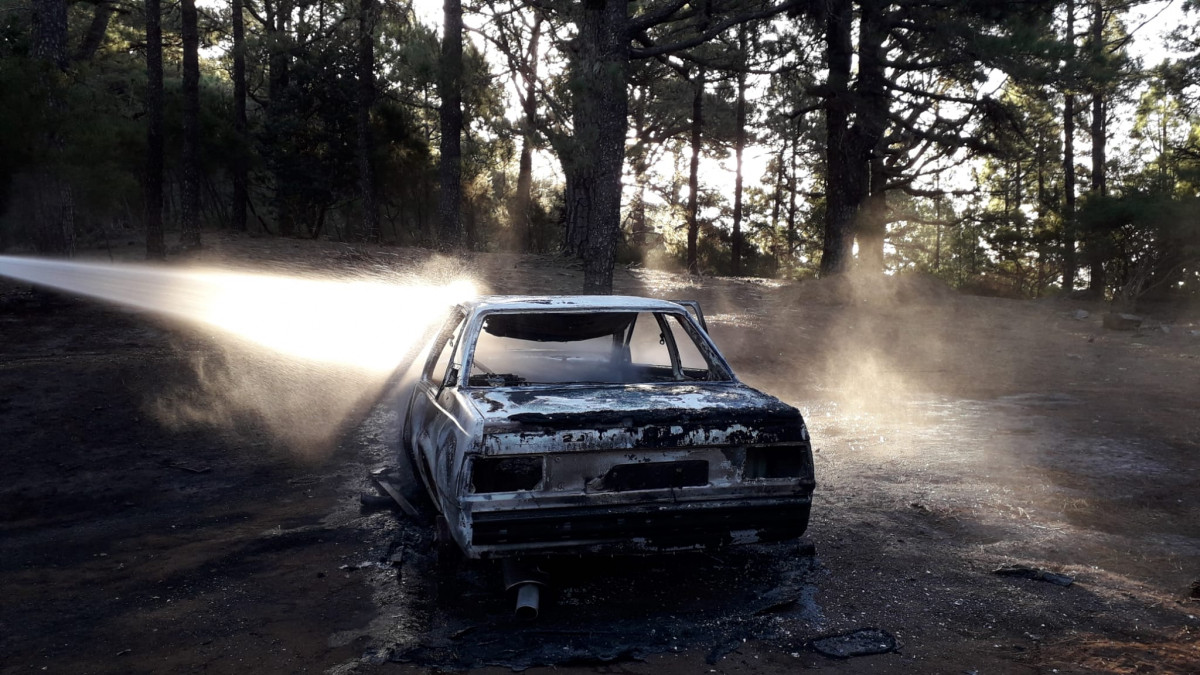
{"x":448,"y":431}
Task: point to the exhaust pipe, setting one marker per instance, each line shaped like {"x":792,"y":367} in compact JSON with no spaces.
{"x":528,"y":580}
{"x":528,"y":597}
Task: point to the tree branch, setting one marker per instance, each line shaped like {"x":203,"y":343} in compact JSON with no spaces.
{"x":715,"y":30}
{"x":660,"y":15}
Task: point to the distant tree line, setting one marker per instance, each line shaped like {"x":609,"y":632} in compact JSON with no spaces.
{"x":942,"y":137}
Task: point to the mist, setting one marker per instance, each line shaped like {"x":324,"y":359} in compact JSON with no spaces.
{"x":301,"y":358}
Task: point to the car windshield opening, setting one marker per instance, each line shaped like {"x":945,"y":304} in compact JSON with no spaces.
{"x":615,"y":347}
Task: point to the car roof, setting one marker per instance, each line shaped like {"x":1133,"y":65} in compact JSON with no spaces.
{"x":568,"y":302}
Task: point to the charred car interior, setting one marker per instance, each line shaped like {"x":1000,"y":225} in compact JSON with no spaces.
{"x":605,"y":424}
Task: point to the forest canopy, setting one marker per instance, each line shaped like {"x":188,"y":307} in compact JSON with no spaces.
{"x":1017,"y":148}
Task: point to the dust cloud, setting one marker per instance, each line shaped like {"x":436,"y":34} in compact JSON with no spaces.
{"x":886,"y":342}
{"x":301,"y":358}
{"x":868,"y":347}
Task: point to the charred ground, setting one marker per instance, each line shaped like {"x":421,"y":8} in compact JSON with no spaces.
{"x":955,"y":435}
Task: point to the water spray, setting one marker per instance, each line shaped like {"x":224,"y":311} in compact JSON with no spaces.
{"x":362,"y":324}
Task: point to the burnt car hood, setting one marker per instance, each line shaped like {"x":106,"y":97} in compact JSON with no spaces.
{"x":651,"y":415}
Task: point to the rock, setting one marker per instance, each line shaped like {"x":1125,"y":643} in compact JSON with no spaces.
{"x":861,"y":642}
{"x":1165,"y":329}
{"x":1081,"y":314}
{"x":1035,"y":574}
{"x":1195,"y":594}
{"x":1115,"y":321}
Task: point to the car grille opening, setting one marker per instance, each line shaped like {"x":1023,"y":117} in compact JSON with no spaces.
{"x":505,"y":474}
{"x":779,"y":462}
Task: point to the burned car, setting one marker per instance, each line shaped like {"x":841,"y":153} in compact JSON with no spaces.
{"x":572,"y":424}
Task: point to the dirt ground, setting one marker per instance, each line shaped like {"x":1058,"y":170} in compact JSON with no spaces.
{"x":954,"y":435}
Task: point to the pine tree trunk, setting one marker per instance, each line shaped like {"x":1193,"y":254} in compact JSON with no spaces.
{"x":777,"y":202}
{"x":869,"y":129}
{"x":54,"y":229}
{"x":369,"y":229}
{"x":642,"y":237}
{"x":693,"y":206}
{"x":1040,"y":160}
{"x":872,"y":228}
{"x":600,"y":110}
{"x":519,"y":216}
{"x":792,"y":183}
{"x":738,"y":149}
{"x":97,"y":29}
{"x":1095,"y":250}
{"x":50,"y":32}
{"x":450,"y":119}
{"x":937,"y":226}
{"x":240,"y":167}
{"x":1099,"y":281}
{"x":189,"y":235}
{"x":843,"y":178}
{"x":155,"y":246}
{"x":1069,"y":262}
{"x":278,"y":78}
{"x":577,"y":206}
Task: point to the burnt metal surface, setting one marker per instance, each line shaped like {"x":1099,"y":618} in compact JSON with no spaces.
{"x":635,"y":404}
{"x":636,"y":416}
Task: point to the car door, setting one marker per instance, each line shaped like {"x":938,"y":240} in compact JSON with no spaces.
{"x":693,"y":306}
{"x":426,"y":416}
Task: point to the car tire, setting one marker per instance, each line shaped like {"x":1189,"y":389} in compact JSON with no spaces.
{"x":804,"y":519}
{"x":449,"y":555}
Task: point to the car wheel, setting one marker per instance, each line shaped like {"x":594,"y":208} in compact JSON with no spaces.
{"x":804,"y":517}
{"x":449,"y":555}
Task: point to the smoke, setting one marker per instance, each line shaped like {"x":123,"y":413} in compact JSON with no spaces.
{"x":300,"y":358}
{"x":864,"y":344}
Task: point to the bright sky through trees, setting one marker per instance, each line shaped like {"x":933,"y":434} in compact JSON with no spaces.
{"x":1151,"y":22}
